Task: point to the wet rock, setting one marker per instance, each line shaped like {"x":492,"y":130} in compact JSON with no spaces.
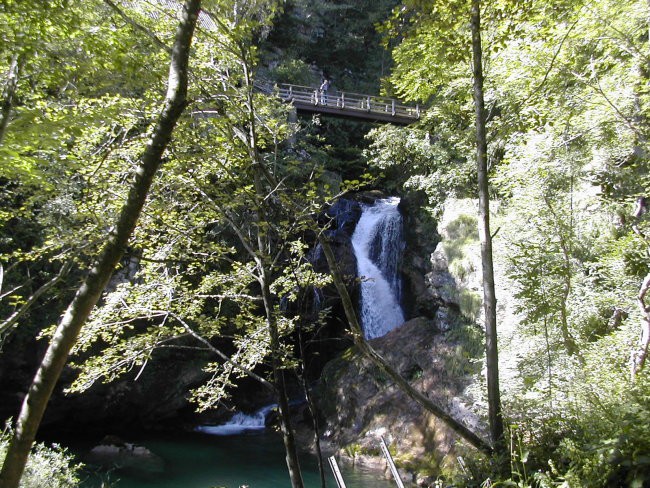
{"x":344,"y":214}
{"x":341,"y":244}
{"x":369,"y":196}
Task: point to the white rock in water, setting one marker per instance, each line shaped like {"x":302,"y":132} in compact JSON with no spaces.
{"x":126,"y":456}
{"x":142,"y":451}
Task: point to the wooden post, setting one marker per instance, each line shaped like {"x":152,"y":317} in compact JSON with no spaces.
{"x":393,"y":107}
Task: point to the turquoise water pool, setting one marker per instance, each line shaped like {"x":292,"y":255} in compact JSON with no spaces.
{"x":194,"y":460}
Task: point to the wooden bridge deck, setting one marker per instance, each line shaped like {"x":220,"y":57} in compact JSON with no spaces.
{"x":346,"y":105}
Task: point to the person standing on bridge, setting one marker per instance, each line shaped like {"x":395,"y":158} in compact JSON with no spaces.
{"x":325,"y":86}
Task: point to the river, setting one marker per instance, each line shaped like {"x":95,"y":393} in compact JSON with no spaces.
{"x":195,"y":460}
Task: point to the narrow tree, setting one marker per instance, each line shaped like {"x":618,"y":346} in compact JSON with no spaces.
{"x":489,"y":295}
{"x":437,"y":53}
{"x":90,"y":291}
{"x":9,"y":93}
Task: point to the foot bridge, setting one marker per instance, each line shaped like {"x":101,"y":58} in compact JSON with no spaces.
{"x":370,"y":108}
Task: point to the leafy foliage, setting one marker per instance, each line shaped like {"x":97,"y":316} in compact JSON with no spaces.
{"x":568,"y":126}
{"x":567,"y":101}
{"x":409,"y":161}
{"x":48,"y":467}
{"x":196,"y":271}
{"x":73,"y":138}
{"x":337,"y":39}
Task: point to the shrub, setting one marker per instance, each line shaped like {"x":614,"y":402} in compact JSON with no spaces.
{"x":48,"y":467}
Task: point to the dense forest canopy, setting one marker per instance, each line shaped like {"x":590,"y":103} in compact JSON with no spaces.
{"x":218,"y":265}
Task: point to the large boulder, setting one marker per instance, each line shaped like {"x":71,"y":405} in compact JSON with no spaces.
{"x":360,"y":404}
{"x":344,"y":214}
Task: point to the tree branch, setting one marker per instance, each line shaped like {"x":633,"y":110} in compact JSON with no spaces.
{"x":98,"y":276}
{"x":13,"y":318}
{"x":550,"y":67}
{"x":139,"y":27}
{"x":221,"y":355}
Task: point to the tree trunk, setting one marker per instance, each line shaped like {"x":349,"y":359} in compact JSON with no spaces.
{"x":565,"y":244}
{"x":291,"y":451}
{"x":370,"y":353}
{"x":489,"y":295}
{"x":264,"y":246}
{"x":9,"y":92}
{"x":312,"y":408}
{"x":90,"y":291}
{"x":640,"y":354}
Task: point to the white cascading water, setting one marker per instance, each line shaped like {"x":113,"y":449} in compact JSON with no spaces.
{"x":239,"y":423}
{"x":378,"y":245}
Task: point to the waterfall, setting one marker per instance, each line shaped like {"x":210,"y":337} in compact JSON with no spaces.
{"x":239,"y":423}
{"x":378,"y":245}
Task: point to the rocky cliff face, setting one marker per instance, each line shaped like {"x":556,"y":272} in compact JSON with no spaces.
{"x":158,"y":399}
{"x":421,"y":236}
{"x":360,"y":404}
{"x":439,"y":352}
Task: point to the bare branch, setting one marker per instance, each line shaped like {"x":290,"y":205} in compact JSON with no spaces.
{"x":139,"y":27}
{"x":13,"y":318}
{"x":7,"y":293}
{"x":221,"y":355}
{"x":550,"y":67}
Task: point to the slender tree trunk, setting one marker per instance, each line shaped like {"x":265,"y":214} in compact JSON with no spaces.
{"x":90,"y":291}
{"x":291,"y":457}
{"x":489,"y":295}
{"x":9,"y":93}
{"x":640,"y":354}
{"x":312,"y":408}
{"x":264,"y":246}
{"x":291,"y":451}
{"x":384,"y":366}
{"x":565,"y":244}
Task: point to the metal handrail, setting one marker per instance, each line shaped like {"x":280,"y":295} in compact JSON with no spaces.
{"x":348,"y":101}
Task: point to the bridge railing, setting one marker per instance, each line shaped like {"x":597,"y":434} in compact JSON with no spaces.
{"x":345,"y":101}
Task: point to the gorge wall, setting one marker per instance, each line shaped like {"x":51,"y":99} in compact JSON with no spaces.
{"x":437,"y":350}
